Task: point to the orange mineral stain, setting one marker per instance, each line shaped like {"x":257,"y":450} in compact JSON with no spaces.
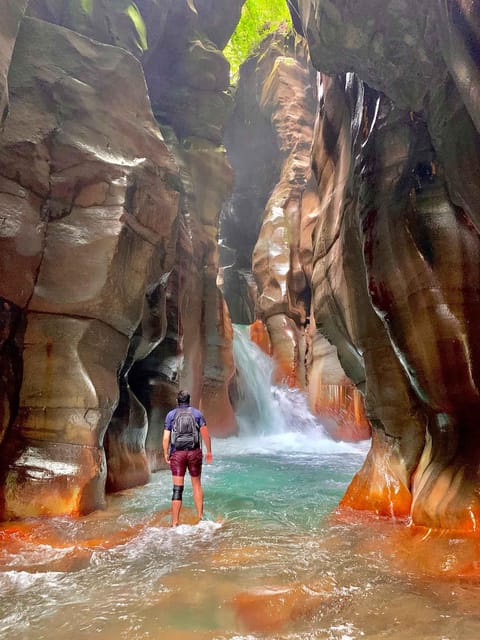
{"x":341,"y":408}
{"x":259,"y":335}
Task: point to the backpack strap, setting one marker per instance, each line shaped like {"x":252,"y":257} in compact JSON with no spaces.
{"x":199,"y":440}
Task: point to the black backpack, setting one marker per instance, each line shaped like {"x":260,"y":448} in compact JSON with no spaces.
{"x":185,"y":430}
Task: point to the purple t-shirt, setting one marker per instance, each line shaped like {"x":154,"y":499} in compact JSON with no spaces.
{"x":198,"y":415}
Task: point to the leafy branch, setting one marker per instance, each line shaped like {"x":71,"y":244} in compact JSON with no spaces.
{"x":258,"y":19}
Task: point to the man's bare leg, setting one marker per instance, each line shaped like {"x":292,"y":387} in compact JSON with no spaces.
{"x":176,"y":504}
{"x":198,"y":495}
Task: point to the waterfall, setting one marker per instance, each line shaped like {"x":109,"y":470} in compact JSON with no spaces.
{"x":264,"y":408}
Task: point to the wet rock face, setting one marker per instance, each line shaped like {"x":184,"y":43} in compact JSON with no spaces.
{"x":253,"y":154}
{"x":11,"y":364}
{"x":79,"y":218}
{"x":271,"y":221}
{"x":12,"y":13}
{"x":274,"y":103}
{"x":377,"y":40}
{"x":187,"y":74}
{"x":188,"y":78}
{"x":117,"y":24}
{"x":397,"y":176}
{"x":109,"y":245}
{"x":206,"y":364}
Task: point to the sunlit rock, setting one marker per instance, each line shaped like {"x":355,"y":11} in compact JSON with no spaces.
{"x":274,"y":189}
{"x":284,"y":107}
{"x":119,"y":24}
{"x":219,"y":18}
{"x":187,"y":74}
{"x":287,"y":101}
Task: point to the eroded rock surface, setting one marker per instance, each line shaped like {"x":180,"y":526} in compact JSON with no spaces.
{"x":79,"y":218}
{"x":103,"y":221}
{"x":272,"y":219}
{"x":12,"y":12}
{"x":197,"y":352}
{"x":188,"y":80}
{"x":397,"y":254}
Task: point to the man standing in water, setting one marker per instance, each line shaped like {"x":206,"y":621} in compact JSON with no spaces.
{"x":182,"y":450}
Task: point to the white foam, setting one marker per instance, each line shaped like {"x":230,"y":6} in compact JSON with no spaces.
{"x":203,"y":527}
{"x":291,"y":443}
{"x":23,"y":580}
{"x":275,"y":418}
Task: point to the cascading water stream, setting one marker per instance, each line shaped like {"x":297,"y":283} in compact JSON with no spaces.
{"x":273,"y":418}
{"x":256,"y":413}
{"x":263,"y":408}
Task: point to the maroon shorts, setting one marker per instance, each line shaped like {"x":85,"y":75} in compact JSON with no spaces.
{"x":180,"y":461}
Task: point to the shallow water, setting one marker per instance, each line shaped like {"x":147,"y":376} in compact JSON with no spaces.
{"x":274,"y":559}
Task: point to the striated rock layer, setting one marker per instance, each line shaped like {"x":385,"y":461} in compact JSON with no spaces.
{"x":188,"y":81}
{"x":78,"y":220}
{"x":271,"y":221}
{"x":108,"y":244}
{"x":396,"y":247}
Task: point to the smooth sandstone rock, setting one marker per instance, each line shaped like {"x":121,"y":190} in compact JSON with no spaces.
{"x":398,"y":174}
{"x":276,"y":103}
{"x":12,"y":12}
{"x":332,"y":395}
{"x":108,"y":230}
{"x":81,"y":220}
{"x":188,"y":77}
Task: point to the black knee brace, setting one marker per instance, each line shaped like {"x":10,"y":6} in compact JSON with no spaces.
{"x":177,"y":492}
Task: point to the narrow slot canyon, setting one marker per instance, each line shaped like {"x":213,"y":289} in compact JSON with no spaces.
{"x":271,"y":205}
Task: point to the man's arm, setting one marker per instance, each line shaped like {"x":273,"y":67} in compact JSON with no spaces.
{"x":208,"y":443}
{"x":166,"y":445}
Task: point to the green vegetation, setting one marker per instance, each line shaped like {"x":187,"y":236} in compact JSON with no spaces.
{"x":259,"y":18}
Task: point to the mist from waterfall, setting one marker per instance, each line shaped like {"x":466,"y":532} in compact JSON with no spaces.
{"x":257,"y":412}
{"x":274,"y":416}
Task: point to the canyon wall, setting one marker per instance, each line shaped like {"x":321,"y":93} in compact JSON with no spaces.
{"x":366,"y":268}
{"x":109,"y":202}
{"x":350,"y":242}
{"x":269,"y":226}
{"x":396,"y":252}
